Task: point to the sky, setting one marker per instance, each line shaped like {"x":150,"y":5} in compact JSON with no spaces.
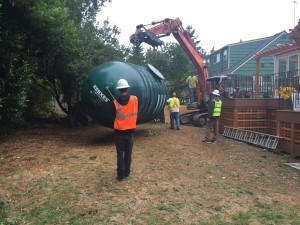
{"x":217,"y":22}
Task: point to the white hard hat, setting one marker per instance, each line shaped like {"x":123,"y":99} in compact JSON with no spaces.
{"x":122,"y":83}
{"x":216,"y":92}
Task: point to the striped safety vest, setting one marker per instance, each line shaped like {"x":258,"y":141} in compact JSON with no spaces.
{"x":174,"y":103}
{"x":126,"y":115}
{"x":217,"y":109}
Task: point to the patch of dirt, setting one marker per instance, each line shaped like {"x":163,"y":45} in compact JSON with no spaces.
{"x":174,"y":178}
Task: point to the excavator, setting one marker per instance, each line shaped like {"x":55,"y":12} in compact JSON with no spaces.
{"x":163,"y":28}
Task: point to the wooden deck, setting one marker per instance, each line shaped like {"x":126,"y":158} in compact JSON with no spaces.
{"x":265,"y":116}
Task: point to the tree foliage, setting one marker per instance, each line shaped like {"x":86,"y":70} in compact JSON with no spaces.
{"x":53,"y":44}
{"x":136,"y":55}
{"x":194,"y":37}
{"x":16,"y":68}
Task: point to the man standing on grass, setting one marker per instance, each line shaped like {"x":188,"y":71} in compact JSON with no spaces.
{"x":174,"y":105}
{"x":214,"y":112}
{"x":125,"y":111}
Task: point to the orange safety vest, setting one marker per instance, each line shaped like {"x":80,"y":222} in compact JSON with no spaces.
{"x":126,"y":115}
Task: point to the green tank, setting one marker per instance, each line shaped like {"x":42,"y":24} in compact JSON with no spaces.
{"x":99,"y":91}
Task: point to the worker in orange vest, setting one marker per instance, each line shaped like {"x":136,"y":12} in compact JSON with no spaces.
{"x":125,"y":111}
{"x":174,"y":105}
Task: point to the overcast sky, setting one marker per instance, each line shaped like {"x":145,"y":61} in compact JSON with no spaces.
{"x":217,"y":22}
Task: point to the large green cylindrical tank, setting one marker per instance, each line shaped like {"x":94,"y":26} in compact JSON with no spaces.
{"x":99,"y":87}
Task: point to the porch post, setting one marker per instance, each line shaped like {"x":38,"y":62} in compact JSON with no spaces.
{"x":257,"y":77}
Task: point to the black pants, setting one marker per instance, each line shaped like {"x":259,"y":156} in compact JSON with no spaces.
{"x":124,"y":144}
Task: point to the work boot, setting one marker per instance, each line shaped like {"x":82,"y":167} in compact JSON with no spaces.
{"x":120,"y":176}
{"x":127,"y":173}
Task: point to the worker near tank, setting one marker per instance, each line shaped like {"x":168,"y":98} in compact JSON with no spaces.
{"x":213,"y":115}
{"x":174,"y":105}
{"x":192,"y":83}
{"x":125,"y":111}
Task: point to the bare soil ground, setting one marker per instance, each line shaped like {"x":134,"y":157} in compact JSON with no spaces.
{"x":50,"y":174}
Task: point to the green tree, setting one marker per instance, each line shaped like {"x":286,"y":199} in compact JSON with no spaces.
{"x":16,"y":68}
{"x":172,"y":62}
{"x":194,"y":37}
{"x":180,"y":66}
{"x":159,"y":59}
{"x":136,"y":55}
{"x":51,"y":48}
{"x":97,"y":46}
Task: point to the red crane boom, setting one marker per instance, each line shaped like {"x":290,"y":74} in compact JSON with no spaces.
{"x":164,"y":28}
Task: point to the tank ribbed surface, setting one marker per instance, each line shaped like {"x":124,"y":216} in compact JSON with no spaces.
{"x":146,"y":83}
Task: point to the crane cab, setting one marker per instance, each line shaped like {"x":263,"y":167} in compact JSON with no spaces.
{"x":221,"y":83}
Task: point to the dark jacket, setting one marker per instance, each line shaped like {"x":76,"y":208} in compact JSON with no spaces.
{"x":211,"y":106}
{"x":123,"y":100}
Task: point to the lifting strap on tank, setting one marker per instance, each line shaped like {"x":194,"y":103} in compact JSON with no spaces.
{"x":260,"y":139}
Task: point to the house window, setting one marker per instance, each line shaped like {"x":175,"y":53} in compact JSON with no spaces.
{"x":262,"y":65}
{"x":218,"y":57}
{"x":225,"y":54}
{"x":214,"y":59}
{"x":282,"y":66}
{"x":293,"y":62}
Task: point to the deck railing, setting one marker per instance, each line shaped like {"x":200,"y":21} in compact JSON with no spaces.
{"x":243,"y":86}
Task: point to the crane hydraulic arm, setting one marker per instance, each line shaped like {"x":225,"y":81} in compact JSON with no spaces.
{"x":164,"y":28}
